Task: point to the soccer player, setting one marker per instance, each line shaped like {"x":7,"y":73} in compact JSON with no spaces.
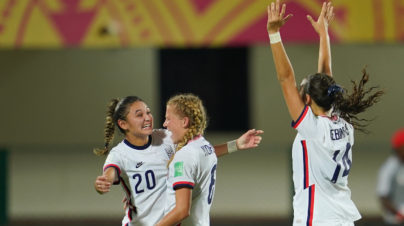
{"x":324,"y":117}
{"x":139,"y":162}
{"x":390,"y":185}
{"x":192,"y":171}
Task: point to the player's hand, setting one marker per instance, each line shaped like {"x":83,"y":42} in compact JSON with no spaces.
{"x":125,"y":203}
{"x":102,"y":185}
{"x":250,"y":139}
{"x":276,"y":17}
{"x":325,"y":18}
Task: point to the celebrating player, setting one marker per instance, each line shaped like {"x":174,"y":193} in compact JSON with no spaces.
{"x":192,"y":171}
{"x":139,"y":162}
{"x":324,"y":117}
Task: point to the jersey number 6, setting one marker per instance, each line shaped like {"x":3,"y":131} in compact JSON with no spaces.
{"x":212,"y":184}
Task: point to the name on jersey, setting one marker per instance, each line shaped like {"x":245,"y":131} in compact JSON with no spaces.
{"x":337,"y":134}
{"x":208,"y":150}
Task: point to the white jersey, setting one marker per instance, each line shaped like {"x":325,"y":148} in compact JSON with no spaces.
{"x":322,"y":158}
{"x":194,"y":166}
{"x":142,"y":173}
{"x":391,"y":184}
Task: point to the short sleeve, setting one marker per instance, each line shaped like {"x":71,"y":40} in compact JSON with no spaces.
{"x":183,"y":169}
{"x":307,"y":123}
{"x":114,"y":160}
{"x":385,"y":177}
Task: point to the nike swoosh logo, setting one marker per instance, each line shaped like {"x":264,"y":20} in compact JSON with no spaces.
{"x":139,"y":164}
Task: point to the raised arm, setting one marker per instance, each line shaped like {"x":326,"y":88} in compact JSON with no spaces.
{"x":285,"y":73}
{"x":321,"y":27}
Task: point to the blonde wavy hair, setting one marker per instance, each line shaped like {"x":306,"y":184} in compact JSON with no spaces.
{"x":189,"y":105}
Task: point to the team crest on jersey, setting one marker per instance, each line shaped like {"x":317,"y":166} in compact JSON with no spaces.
{"x":170,"y":152}
{"x":178,"y":169}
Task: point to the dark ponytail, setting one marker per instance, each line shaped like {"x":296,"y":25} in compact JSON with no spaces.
{"x":323,"y":89}
{"x":117,"y":110}
{"x":360,"y":99}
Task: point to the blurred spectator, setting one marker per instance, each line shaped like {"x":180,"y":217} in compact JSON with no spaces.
{"x":390,"y":186}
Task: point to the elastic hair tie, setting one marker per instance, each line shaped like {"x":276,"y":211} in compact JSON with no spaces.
{"x":334,"y":89}
{"x":118,"y":105}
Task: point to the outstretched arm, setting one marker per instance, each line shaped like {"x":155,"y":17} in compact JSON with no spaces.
{"x":249,"y":139}
{"x":285,"y":73}
{"x":321,"y":27}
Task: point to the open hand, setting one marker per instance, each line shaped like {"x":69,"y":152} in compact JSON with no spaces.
{"x":325,"y":18}
{"x":276,"y":17}
{"x":250,"y":139}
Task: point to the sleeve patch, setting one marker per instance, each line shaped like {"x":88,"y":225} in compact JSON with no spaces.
{"x":178,"y":169}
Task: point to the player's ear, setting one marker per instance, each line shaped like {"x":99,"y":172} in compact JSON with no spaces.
{"x":307,"y":99}
{"x":185,"y":122}
{"x":122,"y":124}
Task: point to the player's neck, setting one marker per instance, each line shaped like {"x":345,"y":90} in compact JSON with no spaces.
{"x":137,"y":140}
{"x":318,"y":111}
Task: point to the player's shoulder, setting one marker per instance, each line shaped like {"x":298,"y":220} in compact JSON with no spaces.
{"x":120,"y":147}
{"x":393,"y":160}
{"x":189,"y":149}
{"x":160,"y":132}
{"x":390,"y":165}
{"x":161,"y":135}
{"x":197,"y":145}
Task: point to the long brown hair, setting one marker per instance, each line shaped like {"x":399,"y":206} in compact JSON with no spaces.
{"x":327,"y":94}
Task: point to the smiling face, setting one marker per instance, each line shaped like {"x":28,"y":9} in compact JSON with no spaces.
{"x":139,"y":120}
{"x":176,"y":124}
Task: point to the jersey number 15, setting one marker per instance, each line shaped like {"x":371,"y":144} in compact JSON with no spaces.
{"x":345,"y":161}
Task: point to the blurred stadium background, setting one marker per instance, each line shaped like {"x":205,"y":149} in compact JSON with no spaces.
{"x":61,"y":61}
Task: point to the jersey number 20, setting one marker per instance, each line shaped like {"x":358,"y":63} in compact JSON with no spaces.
{"x":150,"y":181}
{"x":345,"y":161}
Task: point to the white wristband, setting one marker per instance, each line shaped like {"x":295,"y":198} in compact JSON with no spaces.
{"x":275,"y":38}
{"x":232,"y":146}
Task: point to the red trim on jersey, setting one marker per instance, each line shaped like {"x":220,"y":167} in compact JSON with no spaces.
{"x":312,"y":191}
{"x":117,"y":169}
{"x":129,"y":214}
{"x":195,"y":138}
{"x":296,"y":123}
{"x":183,"y":184}
{"x":129,"y":198}
{"x":332,"y":118}
{"x":115,"y":166}
{"x":305,"y":165}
